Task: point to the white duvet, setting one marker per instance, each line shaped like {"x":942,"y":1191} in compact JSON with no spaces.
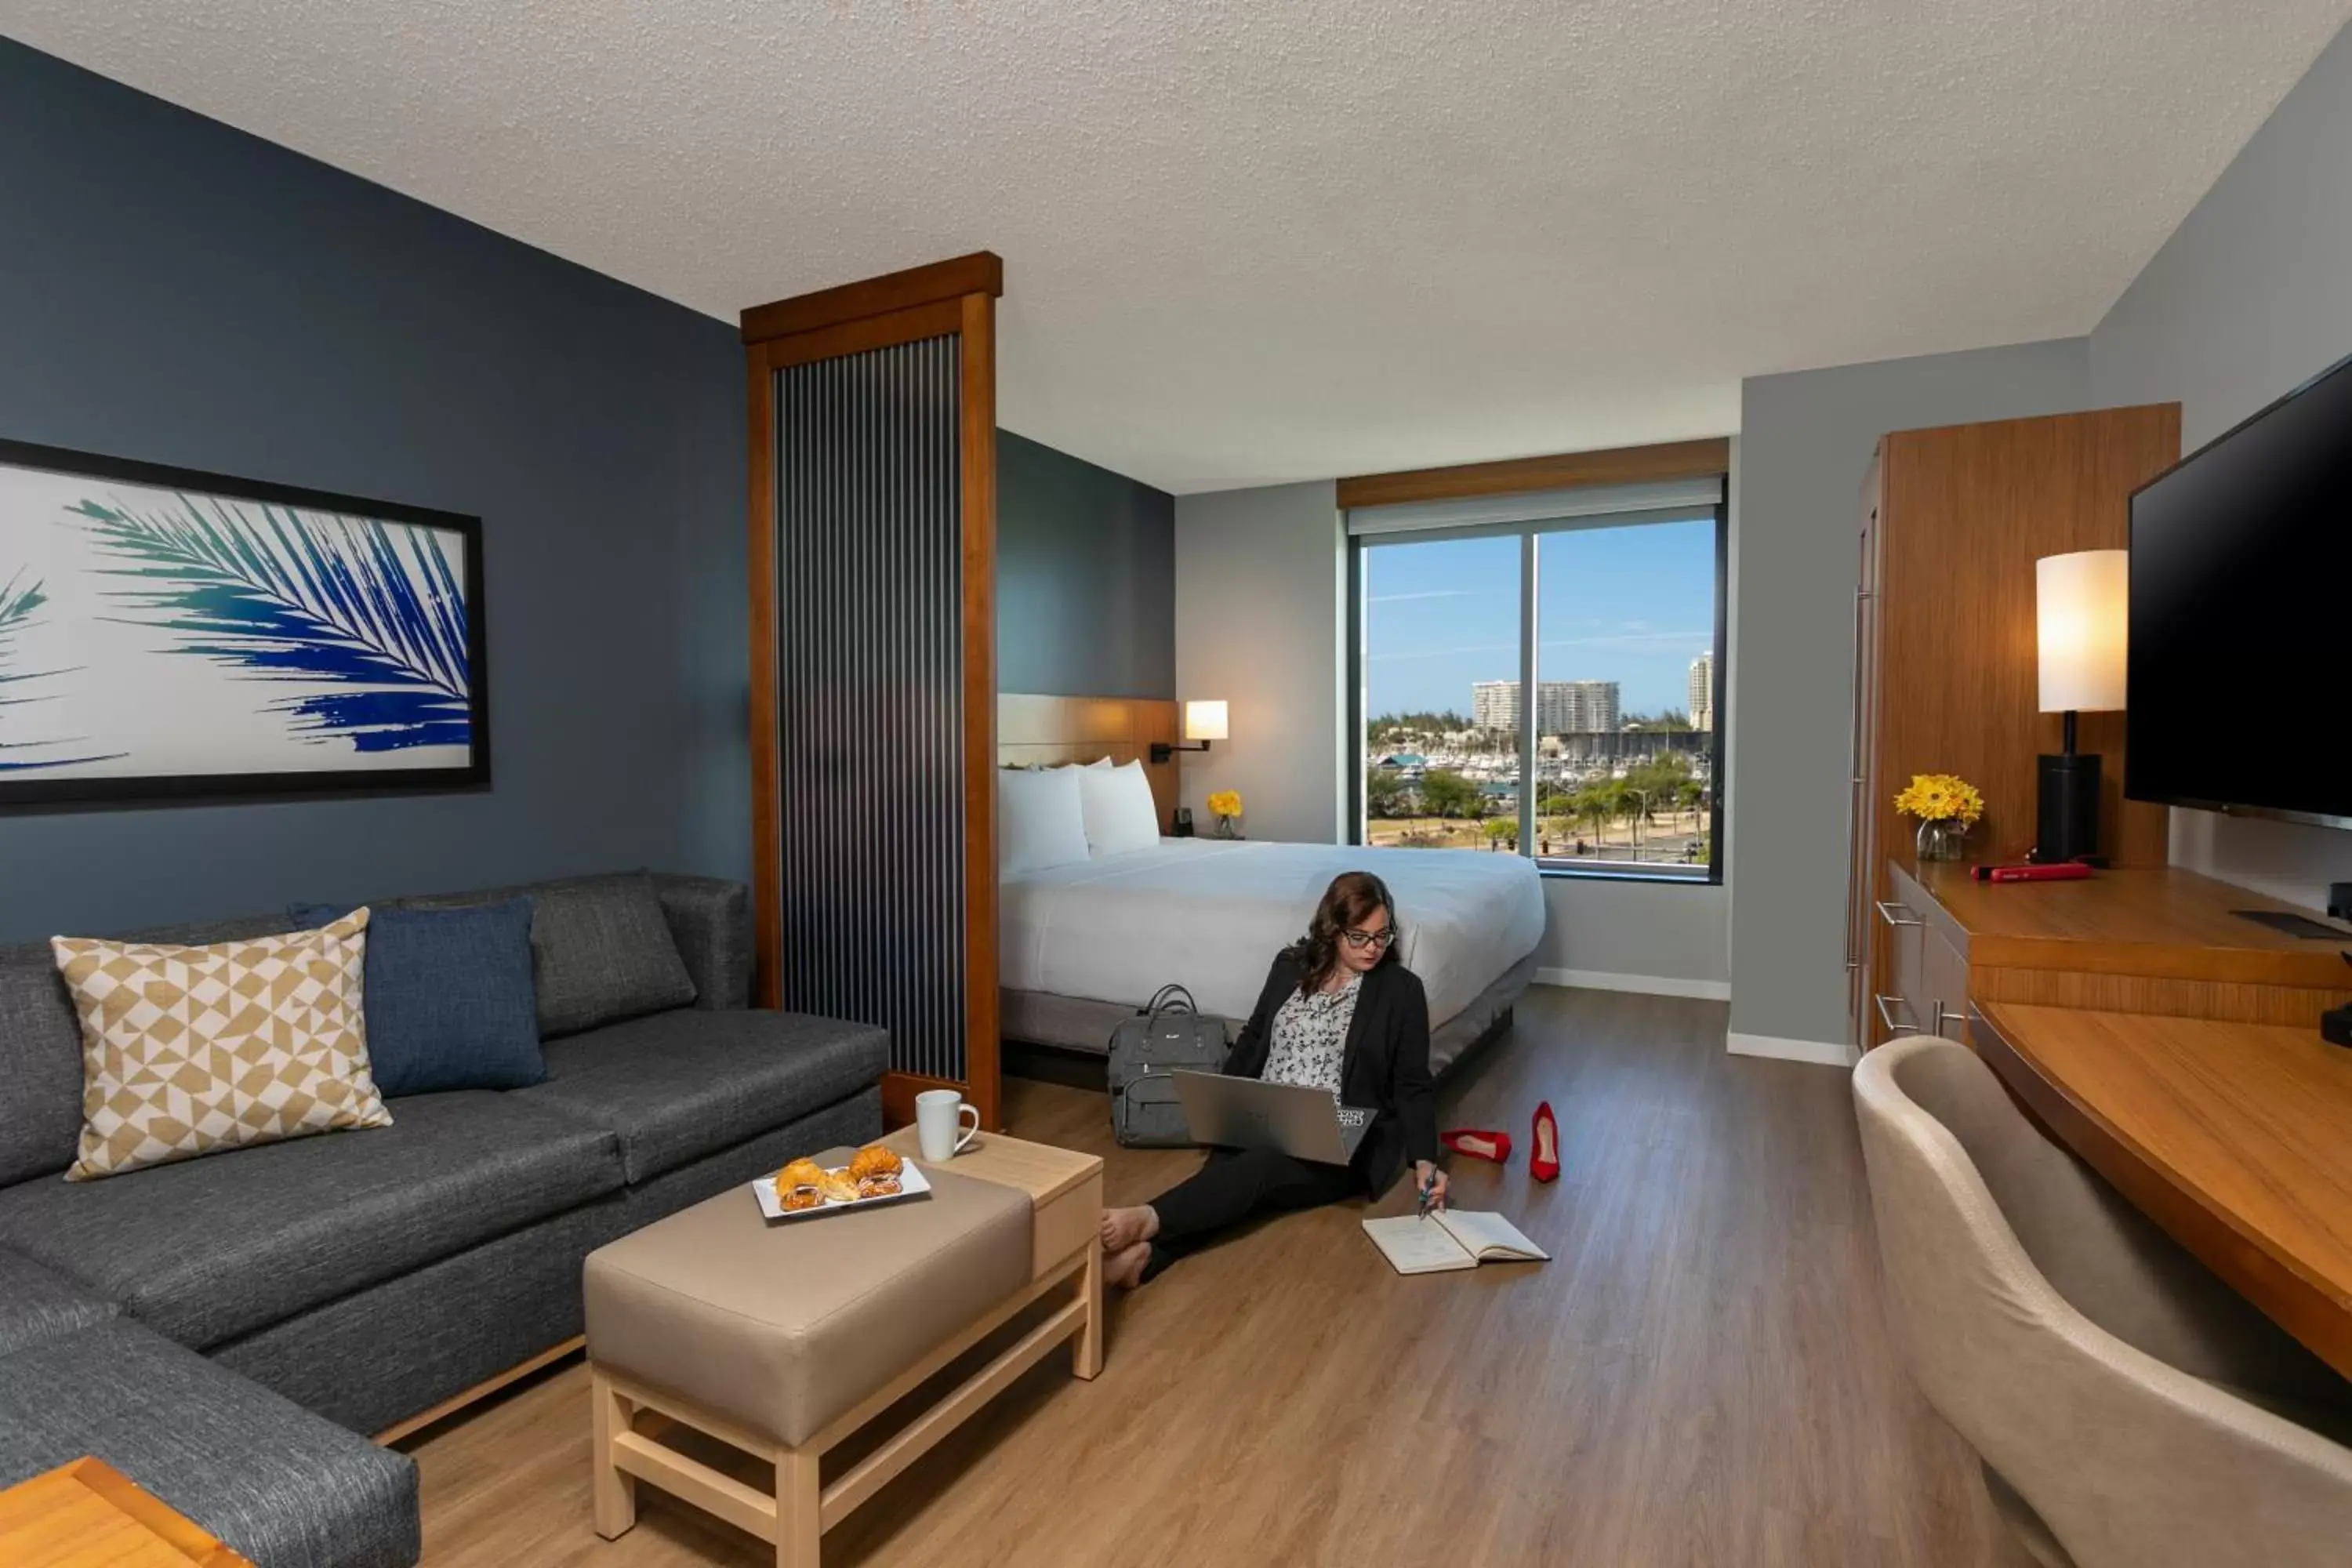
{"x":1209,"y":915}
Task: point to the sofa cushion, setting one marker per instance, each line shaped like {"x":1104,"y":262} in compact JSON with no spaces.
{"x":601,"y":948}
{"x":681,"y":1084}
{"x":711,"y":919}
{"x":40,"y":1046}
{"x":188,"y":1050}
{"x":208,"y":1250}
{"x":273,"y":1481}
{"x":37,"y":1305}
{"x":450,"y":1002}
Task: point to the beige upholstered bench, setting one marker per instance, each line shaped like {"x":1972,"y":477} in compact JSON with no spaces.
{"x":782,"y":1339}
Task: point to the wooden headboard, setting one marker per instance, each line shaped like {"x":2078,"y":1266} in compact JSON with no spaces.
{"x":1032,"y":731}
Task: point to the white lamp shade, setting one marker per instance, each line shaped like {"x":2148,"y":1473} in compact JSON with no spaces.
{"x":1204,"y":721}
{"x":2082,"y":608}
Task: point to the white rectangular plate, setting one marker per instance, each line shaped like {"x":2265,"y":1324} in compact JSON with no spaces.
{"x":912,"y":1183}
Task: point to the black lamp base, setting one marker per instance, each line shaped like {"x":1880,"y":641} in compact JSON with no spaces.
{"x":2066,"y":817}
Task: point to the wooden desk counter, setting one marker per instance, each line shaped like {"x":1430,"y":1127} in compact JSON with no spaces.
{"x":2236,"y":1138}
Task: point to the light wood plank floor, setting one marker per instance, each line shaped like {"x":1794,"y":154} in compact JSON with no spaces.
{"x":1701,"y":1375}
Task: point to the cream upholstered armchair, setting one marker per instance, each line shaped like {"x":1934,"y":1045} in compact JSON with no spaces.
{"x":2130,"y":1409}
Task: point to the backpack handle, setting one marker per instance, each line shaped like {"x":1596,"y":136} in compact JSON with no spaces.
{"x":1170,"y":999}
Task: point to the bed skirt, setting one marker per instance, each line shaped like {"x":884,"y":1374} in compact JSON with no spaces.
{"x":1079,"y":1023}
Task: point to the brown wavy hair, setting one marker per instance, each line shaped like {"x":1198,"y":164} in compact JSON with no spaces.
{"x":1349,"y":901}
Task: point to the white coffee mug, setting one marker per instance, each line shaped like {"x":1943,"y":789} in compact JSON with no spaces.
{"x":938,"y":1123}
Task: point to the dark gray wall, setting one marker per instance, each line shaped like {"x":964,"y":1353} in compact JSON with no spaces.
{"x":2250,"y":297}
{"x":1085,"y":577}
{"x":176,"y":291}
{"x":1805,"y":441}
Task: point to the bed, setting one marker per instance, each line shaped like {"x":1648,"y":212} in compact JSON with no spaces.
{"x":1083,"y":945}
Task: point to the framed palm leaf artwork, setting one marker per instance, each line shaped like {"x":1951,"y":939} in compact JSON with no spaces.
{"x":169,"y":634}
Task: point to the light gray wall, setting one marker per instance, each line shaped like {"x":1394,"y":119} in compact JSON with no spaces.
{"x":1260,"y":593}
{"x":176,"y":291}
{"x":1805,"y":441}
{"x":1632,"y":932}
{"x":2250,"y":297}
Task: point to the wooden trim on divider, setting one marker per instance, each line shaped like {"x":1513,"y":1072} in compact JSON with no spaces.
{"x":1616,"y":466}
{"x":767,"y":758}
{"x":482,"y":1389}
{"x":981,"y":1045}
{"x":936,"y":320}
{"x":899,"y":1091}
{"x":981,"y":272}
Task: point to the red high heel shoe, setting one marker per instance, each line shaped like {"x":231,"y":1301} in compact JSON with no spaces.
{"x":1544,"y":1163}
{"x":1478,"y":1144}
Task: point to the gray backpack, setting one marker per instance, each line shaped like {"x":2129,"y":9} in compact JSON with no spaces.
{"x":1168,"y":1035}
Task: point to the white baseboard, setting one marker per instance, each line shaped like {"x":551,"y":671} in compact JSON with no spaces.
{"x":1823,"y":1052}
{"x":1648,"y":984}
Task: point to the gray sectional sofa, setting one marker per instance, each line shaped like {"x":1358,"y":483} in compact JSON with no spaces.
{"x":227,"y":1330}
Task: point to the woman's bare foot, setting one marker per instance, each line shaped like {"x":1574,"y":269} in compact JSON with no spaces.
{"x":1123,"y":1269}
{"x":1123,"y":1229}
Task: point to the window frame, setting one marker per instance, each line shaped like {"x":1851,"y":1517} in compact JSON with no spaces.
{"x":1527,"y":532}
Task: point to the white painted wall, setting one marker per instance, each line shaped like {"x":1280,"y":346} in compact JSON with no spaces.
{"x":2250,"y":297}
{"x":1261,"y":586}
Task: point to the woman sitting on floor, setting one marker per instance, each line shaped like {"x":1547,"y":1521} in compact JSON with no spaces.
{"x":1337,"y":1012}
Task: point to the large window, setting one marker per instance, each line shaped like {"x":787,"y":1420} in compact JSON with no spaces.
{"x":1613,"y":621}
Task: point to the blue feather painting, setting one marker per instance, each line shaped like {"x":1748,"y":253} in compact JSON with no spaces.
{"x":180,"y":633}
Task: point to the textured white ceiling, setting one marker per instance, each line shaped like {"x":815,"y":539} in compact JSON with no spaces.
{"x":1254,"y":242}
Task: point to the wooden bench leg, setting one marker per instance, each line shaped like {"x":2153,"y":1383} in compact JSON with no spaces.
{"x":1087,"y":1350}
{"x":800,"y":1524}
{"x":614,"y":1491}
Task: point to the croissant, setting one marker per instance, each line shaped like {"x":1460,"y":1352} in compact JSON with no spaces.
{"x":874,"y":1161}
{"x":799,"y":1173}
{"x":838,"y":1186}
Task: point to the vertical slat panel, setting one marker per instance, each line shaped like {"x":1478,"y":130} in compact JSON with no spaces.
{"x":869,"y":709}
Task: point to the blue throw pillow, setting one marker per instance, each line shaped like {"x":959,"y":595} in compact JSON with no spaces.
{"x":450,"y":999}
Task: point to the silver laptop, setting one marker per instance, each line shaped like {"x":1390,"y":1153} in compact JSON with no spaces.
{"x":1250,"y":1113}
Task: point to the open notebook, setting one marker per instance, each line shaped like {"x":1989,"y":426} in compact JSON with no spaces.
{"x":1451,"y":1238}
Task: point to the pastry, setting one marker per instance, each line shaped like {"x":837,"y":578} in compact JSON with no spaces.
{"x":795,"y":1199}
{"x":874,"y":1161}
{"x":880,"y":1184}
{"x":838,"y":1186}
{"x":800,"y":1174}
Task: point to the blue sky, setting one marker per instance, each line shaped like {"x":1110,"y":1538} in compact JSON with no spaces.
{"x":1633,"y":604}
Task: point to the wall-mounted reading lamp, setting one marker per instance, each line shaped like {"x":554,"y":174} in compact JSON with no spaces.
{"x":1204,"y":721}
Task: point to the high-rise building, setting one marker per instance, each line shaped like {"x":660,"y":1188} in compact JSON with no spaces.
{"x":1562,"y":707}
{"x":1702,"y":693}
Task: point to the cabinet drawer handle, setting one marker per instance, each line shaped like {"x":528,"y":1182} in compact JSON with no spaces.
{"x":1885,"y":905}
{"x":1887,"y":1019}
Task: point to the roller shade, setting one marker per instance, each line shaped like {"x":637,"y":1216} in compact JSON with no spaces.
{"x":1584,"y":506}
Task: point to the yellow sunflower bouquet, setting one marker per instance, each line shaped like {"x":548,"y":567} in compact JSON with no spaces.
{"x":1225,"y":806}
{"x":1940,"y":797}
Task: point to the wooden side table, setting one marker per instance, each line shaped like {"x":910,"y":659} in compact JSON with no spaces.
{"x":87,"y":1514}
{"x":1066,"y":1190}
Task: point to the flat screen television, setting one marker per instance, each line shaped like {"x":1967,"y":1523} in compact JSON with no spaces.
{"x":2240,"y":600}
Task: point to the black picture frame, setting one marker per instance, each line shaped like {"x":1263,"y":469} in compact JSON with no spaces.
{"x":22,"y":791}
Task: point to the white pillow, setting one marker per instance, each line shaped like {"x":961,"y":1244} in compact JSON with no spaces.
{"x":1121,"y":814}
{"x":1039,"y":822}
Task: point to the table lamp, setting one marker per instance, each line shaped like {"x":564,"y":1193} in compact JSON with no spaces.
{"x":2080,"y":611}
{"x":1204,"y":721}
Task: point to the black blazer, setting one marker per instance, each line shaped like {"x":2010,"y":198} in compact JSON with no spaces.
{"x":1385,"y":1069}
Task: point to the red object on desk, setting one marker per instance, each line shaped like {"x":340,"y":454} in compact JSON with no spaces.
{"x":2062,"y":872}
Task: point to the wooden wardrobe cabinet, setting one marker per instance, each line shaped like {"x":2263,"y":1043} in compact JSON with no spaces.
{"x":1945,"y":659}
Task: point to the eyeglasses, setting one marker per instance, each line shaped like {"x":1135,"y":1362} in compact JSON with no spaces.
{"x":1361,"y":940}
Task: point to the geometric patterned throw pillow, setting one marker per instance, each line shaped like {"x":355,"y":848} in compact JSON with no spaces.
{"x":186,"y":1050}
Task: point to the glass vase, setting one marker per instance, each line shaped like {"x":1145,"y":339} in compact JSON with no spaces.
{"x":1942,"y":839}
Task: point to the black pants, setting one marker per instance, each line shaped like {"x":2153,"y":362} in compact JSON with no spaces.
{"x":1234,"y":1184}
